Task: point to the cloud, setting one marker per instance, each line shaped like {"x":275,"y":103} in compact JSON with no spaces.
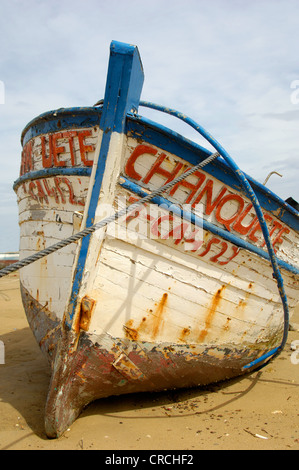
{"x":292,"y":115}
{"x":229,"y":65}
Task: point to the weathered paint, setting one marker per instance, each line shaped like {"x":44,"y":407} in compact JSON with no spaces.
{"x":144,"y":313}
{"x":123,"y":88}
{"x":228,"y":208}
{"x":213,"y":228}
{"x":113,"y":366}
{"x":145,"y":131}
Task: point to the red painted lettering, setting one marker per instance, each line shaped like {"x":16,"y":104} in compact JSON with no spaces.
{"x":278,"y":238}
{"x":70,"y":136}
{"x":155,"y":227}
{"x":55,"y":149}
{"x":26,"y":161}
{"x":196,"y":244}
{"x":211,"y":242}
{"x":31,"y":190}
{"x":229,"y":209}
{"x":52,"y":192}
{"x":157,"y":168}
{"x":223,"y":250}
{"x":230,"y":220}
{"x":51,"y":158}
{"x":40,"y":192}
{"x":140,"y":150}
{"x":57,"y":182}
{"x":178,"y":232}
{"x":257,"y":228}
{"x":70,"y":189}
{"x":210,"y":204}
{"x":236,"y":250}
{"x":244,"y":229}
{"x":192,"y":187}
{"x":134,"y":214}
{"x":84,"y":149}
{"x":276,"y":225}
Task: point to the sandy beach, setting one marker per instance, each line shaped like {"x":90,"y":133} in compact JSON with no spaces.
{"x":259,"y":411}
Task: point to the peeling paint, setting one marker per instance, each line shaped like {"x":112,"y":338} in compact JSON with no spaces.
{"x":86,"y":309}
{"x":158,"y":315}
{"x":143,"y":315}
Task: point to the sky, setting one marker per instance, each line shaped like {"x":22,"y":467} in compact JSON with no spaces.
{"x":231,"y":65}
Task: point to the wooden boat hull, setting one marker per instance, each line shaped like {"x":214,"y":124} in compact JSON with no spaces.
{"x":177,"y":294}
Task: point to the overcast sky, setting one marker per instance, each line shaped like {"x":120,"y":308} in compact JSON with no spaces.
{"x":231,"y":65}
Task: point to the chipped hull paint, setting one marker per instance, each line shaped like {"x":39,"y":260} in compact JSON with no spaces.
{"x":103,"y":366}
{"x":163,"y":298}
{"x":45,"y":326}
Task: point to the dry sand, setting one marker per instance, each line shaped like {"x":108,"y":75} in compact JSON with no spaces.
{"x":259,"y":411}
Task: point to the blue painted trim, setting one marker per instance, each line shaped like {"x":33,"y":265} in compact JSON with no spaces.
{"x":123,"y":89}
{"x":125,"y":76}
{"x":160,"y":136}
{"x":153,"y":133}
{"x":48,"y":172}
{"x":247,"y":189}
{"x":60,"y":119}
{"x":194,"y":219}
{"x":265,"y":356}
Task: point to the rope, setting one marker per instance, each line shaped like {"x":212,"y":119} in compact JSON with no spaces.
{"x":255,"y":202}
{"x":89,"y":230}
{"x":220,"y":151}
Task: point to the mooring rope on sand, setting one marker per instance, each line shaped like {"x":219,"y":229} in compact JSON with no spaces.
{"x":112,"y":218}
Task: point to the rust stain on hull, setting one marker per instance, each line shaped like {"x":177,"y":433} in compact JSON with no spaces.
{"x":211,"y":313}
{"x":158,"y":315}
{"x":130,"y":332}
{"x":150,"y":325}
{"x":85,"y":311}
{"x":108,"y":366}
{"x":101,"y":369}
{"x":184,"y":334}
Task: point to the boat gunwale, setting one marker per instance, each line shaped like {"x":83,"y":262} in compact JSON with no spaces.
{"x":176,"y":138}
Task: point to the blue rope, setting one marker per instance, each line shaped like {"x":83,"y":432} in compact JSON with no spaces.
{"x":252,"y":196}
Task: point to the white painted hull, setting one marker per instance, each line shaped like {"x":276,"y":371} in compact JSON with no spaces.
{"x":156,"y":307}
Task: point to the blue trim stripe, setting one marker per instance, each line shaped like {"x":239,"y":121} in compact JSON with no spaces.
{"x":194,"y":219}
{"x":123,"y":89}
{"x":262,"y":358}
{"x":247,"y":189}
{"x":49,"y":172}
{"x":60,"y":119}
{"x":160,"y":136}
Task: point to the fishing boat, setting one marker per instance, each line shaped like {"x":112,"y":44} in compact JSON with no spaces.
{"x":190,"y":274}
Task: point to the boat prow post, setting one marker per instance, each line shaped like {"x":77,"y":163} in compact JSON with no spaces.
{"x":124,"y":84}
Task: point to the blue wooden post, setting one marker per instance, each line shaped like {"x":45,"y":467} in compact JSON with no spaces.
{"x":122,"y":95}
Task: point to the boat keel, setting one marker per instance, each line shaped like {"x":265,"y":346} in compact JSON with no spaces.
{"x":88,"y":368}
